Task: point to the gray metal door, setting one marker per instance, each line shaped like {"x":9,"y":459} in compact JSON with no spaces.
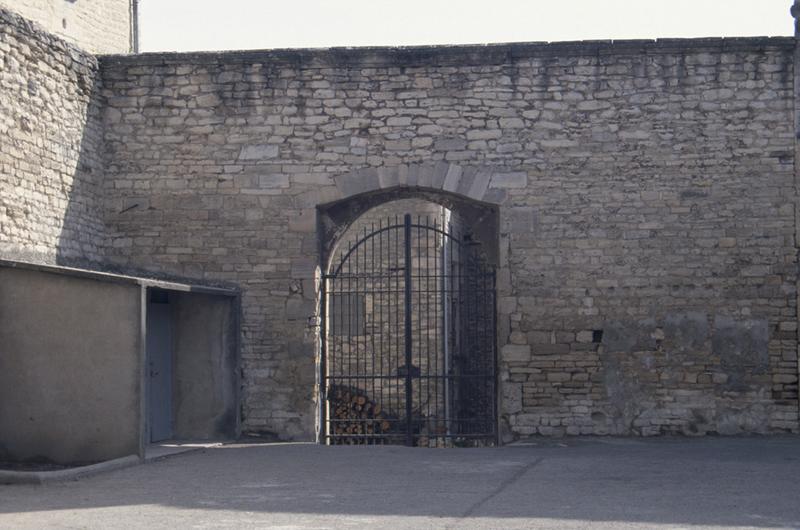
{"x":159,"y":371}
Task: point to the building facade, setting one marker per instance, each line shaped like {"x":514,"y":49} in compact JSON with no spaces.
{"x":97,"y":26}
{"x":643,"y":199}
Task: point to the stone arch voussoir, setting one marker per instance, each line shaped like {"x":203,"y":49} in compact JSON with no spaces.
{"x":474,"y":191}
{"x":478,"y":183}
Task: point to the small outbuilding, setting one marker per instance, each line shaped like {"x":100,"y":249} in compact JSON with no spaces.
{"x":96,"y":366}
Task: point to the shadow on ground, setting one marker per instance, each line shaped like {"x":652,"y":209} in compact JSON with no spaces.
{"x":726,"y":482}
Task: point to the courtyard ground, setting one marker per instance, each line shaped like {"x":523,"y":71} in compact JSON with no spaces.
{"x":570,"y":483}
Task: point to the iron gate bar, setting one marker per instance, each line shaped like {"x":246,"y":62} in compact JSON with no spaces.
{"x":323,"y":369}
{"x":409,"y":372}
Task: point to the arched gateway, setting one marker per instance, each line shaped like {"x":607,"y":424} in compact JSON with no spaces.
{"x":408,"y":333}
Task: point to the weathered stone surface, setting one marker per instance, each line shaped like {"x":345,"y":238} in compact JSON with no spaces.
{"x":51,"y":163}
{"x":516,"y":179}
{"x":256,"y":152}
{"x":647,"y":273}
{"x":686,"y":332}
{"x":274,"y":180}
{"x":516,"y":352}
{"x":452,"y":178}
{"x":629,"y":336}
{"x":743,"y":346}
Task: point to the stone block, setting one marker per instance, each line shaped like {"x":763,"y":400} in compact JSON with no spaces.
{"x":438,"y":174}
{"x":479,"y":185}
{"x":515,"y":353}
{"x":304,"y":221}
{"x":273,"y":180}
{"x":388,"y":177}
{"x":299,"y":309}
{"x":515,"y":179}
{"x":303,"y":267}
{"x":258,"y":152}
{"x":357,"y":182}
{"x":452,"y":178}
{"x":511,"y":123}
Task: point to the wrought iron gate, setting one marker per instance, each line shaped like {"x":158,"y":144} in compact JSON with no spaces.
{"x":409,"y":339}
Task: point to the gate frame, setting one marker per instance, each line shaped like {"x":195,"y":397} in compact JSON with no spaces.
{"x":336,"y":217}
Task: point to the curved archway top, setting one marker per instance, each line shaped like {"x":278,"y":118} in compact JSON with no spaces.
{"x":473,"y":192}
{"x":477,"y":183}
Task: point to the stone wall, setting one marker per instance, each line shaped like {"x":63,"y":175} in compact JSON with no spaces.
{"x":51,"y":155}
{"x":647,"y":267}
{"x":646,"y":247}
{"x":97,"y":26}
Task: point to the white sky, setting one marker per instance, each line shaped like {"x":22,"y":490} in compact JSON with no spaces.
{"x":184,"y":25}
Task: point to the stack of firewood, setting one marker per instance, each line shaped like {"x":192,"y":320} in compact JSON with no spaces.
{"x":356,"y":418}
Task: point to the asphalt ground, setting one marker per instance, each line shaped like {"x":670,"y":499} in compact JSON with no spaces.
{"x":751,"y":482}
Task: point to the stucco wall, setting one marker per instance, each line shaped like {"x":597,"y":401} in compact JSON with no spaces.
{"x":69,"y":368}
{"x":51,"y":155}
{"x":647,"y":276}
{"x":205,"y":382}
{"x":97,"y":26}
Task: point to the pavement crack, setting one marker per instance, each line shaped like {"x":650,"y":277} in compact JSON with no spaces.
{"x":501,"y":488}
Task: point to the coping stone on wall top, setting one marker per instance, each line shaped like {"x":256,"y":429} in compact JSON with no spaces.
{"x":473,"y":54}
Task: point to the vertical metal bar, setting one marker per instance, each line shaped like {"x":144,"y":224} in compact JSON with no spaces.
{"x":362,"y":311}
{"x":337,"y":356}
{"x":374,"y":287}
{"x":334,"y":361}
{"x":447,"y":268}
{"x":437,"y":323}
{"x":495,"y":386}
{"x":347,"y":314}
{"x":483,"y":311}
{"x":409,"y":389}
{"x":398,"y":316}
{"x":458,"y":333}
{"x":467,"y":385}
{"x":395,"y":321}
{"x":433,"y":398}
{"x":428,"y":374}
{"x":334,"y":364}
{"x":323,"y":375}
{"x":419,"y":311}
{"x":355,"y":337}
{"x":483,"y":366}
{"x":348,"y":350}
{"x":380,"y":320}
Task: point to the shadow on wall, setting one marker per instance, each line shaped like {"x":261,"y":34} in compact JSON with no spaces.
{"x":83,"y":235}
{"x":50,"y":195}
